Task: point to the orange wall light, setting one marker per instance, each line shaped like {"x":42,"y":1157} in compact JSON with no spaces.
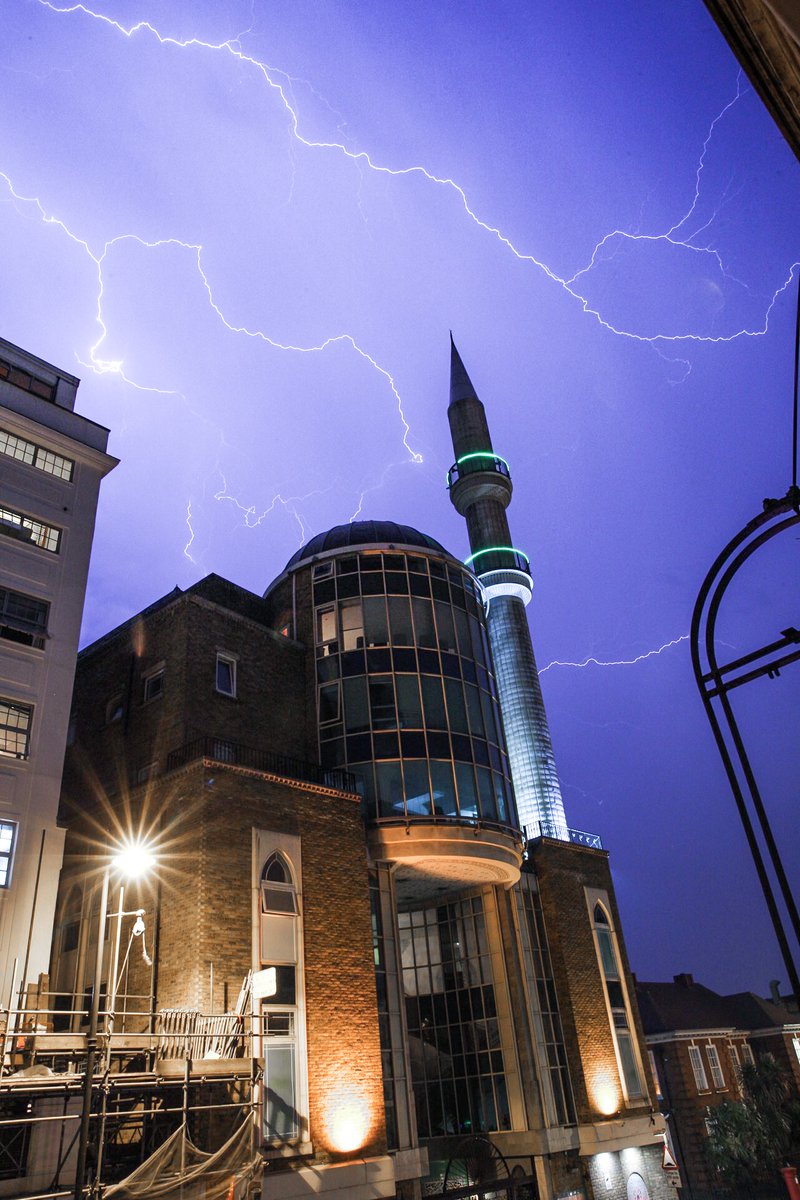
{"x":348,"y":1119}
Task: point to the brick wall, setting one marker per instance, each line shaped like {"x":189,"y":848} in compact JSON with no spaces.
{"x":564,"y":870}
{"x":185,"y":635}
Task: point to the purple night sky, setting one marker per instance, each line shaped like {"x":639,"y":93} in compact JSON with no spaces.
{"x":251,"y":251}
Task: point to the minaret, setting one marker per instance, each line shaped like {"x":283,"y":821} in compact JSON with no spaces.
{"x":480,"y":488}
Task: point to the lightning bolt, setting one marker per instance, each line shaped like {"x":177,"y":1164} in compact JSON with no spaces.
{"x":105,"y":366}
{"x":191,"y":533}
{"x":270,"y":76}
{"x":251,"y":521}
{"x":620,"y":662}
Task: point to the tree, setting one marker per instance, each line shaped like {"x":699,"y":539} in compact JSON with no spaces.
{"x":753,"y":1138}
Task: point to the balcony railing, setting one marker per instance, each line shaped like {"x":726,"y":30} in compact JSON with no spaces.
{"x":233,"y":754}
{"x":498,"y":558}
{"x":474,"y":823}
{"x":592,"y":840}
{"x":480,"y":460}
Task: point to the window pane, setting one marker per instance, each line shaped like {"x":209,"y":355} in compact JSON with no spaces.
{"x":630,"y":1071}
{"x":418,"y":796}
{"x":352,"y":625}
{"x":381,"y":702}
{"x":488,"y":805}
{"x":455,"y":706}
{"x":400,"y":621}
{"x":607,"y":955}
{"x":433,"y":700}
{"x":444,"y":792}
{"x":423,"y":623}
{"x":326,"y":625}
{"x":375,"y":623}
{"x":356,"y":709}
{"x":15,"y":721}
{"x":329,"y":703}
{"x":408,"y":703}
{"x":474,"y":711}
{"x":467,"y":800}
{"x":488,"y":717}
{"x":226,"y":676}
{"x":280,"y":1113}
{"x":445,"y":626}
{"x":390,"y":789}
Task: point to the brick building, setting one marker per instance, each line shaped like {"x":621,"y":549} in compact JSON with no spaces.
{"x":329,"y":775}
{"x":697,"y":1042}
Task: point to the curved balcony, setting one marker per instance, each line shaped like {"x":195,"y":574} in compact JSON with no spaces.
{"x":439,"y":855}
{"x":478,"y":476}
{"x":479,"y":460}
{"x":498,"y":558}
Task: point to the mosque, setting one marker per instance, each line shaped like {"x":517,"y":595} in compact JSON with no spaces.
{"x":364,"y":867}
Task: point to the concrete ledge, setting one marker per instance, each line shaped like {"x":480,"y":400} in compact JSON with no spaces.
{"x":361,"y":1179}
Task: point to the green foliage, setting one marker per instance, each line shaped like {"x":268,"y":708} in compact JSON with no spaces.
{"x":754,"y":1138}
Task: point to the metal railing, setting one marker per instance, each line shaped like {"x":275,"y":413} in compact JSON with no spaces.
{"x":592,"y":840}
{"x":475,"y":823}
{"x":230,"y":753}
{"x":479,"y":461}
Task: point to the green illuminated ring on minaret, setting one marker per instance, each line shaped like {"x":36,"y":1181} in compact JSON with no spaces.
{"x":496,"y":458}
{"x":500,"y":550}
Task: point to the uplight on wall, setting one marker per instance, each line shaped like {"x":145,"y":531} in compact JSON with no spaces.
{"x":348,"y":1121}
{"x":606,"y":1097}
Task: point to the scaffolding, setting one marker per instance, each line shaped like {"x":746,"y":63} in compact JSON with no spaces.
{"x":176,"y":1077}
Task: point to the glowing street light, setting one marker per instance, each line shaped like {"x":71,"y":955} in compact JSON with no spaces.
{"x":133,"y":859}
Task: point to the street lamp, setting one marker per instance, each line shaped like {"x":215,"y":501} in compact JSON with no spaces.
{"x":133,"y":860}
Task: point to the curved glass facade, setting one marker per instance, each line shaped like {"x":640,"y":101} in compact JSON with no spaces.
{"x":406,"y":697}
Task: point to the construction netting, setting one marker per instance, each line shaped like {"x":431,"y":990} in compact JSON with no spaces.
{"x":180,"y":1171}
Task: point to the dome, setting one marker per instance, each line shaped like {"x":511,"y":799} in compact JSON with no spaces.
{"x":364,"y":533}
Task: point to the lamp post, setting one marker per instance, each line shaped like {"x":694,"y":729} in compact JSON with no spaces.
{"x":133,"y":860}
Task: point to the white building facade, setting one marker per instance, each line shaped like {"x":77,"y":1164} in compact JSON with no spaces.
{"x":51,"y":464}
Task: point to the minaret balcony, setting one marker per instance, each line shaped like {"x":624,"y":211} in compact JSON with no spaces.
{"x":477,"y":476}
{"x":437,"y":855}
{"x":498,"y":558}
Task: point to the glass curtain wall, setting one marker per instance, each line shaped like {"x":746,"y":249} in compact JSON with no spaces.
{"x":405,"y":690}
{"x":454,"y":1037}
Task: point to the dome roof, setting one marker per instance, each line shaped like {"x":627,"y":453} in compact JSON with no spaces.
{"x":364,"y":533}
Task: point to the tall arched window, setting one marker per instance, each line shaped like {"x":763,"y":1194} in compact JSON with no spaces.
{"x":280,"y":941}
{"x":605,"y":939}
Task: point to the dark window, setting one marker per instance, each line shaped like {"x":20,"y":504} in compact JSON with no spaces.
{"x":23,"y":618}
{"x":154,"y":685}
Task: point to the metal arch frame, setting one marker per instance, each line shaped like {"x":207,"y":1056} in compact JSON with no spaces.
{"x":715,"y":681}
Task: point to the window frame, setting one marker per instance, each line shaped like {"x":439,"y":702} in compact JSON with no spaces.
{"x":4,"y":728}
{"x":698,"y":1068}
{"x":7,"y":856}
{"x":13,"y":522}
{"x":148,"y":679}
{"x":37,"y":632}
{"x":717,"y":1074}
{"x":620,"y":1018}
{"x":230,"y":660}
{"x":41,"y":459}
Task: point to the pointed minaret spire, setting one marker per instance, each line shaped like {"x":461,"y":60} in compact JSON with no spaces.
{"x":480,"y":489}
{"x":460,"y":383}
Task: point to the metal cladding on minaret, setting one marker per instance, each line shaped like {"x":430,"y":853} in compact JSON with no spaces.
{"x":480,"y":489}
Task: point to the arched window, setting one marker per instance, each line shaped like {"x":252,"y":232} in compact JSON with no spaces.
{"x":278,"y":893}
{"x":617,"y":1001}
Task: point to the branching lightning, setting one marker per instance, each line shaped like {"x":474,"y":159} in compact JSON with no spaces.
{"x":361,"y":157}
{"x":621,"y":662}
{"x":105,"y":366}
